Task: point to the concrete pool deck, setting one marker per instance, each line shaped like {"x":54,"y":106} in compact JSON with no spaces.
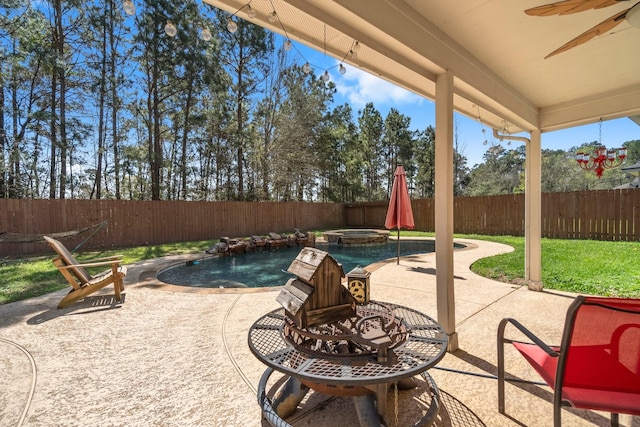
{"x":179,"y":357}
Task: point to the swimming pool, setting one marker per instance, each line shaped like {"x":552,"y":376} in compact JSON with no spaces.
{"x":269,"y":268}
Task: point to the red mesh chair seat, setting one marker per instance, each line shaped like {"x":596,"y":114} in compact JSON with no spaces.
{"x":596,"y":367}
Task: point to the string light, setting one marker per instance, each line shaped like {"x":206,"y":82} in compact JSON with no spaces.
{"x":129,"y":7}
{"x":232,"y":26}
{"x":205,"y":34}
{"x":505,"y":130}
{"x":484,"y":131}
{"x":274,"y":18}
{"x":170,"y":29}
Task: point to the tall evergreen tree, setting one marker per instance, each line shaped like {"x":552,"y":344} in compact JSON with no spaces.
{"x":299,"y":126}
{"x":266,"y":121}
{"x":398,"y":147}
{"x":106,"y":53}
{"x":23,"y":32}
{"x":339,"y":158}
{"x":371,"y":128}
{"x":425,"y":159}
{"x":500,"y":174}
{"x":245,"y":55}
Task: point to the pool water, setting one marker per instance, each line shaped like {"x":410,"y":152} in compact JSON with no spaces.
{"x":269,"y":268}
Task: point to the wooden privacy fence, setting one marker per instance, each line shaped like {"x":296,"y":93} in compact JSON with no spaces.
{"x":140,"y":223}
{"x":596,"y":215}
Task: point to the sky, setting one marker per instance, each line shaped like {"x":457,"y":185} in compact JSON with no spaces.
{"x":357,"y":88}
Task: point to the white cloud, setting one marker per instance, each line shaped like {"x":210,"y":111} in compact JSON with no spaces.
{"x":359,"y":87}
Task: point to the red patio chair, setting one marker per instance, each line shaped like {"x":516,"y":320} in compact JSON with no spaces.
{"x":596,"y":366}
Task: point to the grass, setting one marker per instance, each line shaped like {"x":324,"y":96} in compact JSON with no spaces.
{"x":31,"y":277}
{"x":581,"y":266}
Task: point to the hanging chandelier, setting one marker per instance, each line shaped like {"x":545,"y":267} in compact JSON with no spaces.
{"x":601,"y":158}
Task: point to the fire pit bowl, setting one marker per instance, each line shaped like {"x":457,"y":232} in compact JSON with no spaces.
{"x":381,"y":345}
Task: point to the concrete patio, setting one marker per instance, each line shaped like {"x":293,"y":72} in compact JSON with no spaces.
{"x":170,"y":356}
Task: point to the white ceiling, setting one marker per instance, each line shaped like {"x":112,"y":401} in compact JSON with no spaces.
{"x":495,"y":51}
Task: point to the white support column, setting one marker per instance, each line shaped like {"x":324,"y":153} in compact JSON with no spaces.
{"x":444,"y":207}
{"x":533,"y":213}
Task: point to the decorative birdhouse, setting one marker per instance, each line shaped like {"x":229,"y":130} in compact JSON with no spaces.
{"x":358,"y":282}
{"x":317,"y":295}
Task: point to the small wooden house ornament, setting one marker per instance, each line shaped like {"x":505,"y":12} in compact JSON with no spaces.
{"x":358,"y":283}
{"x":316,"y":295}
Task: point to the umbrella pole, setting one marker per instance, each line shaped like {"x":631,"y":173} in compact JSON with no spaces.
{"x":398,"y":259}
{"x":399,"y":208}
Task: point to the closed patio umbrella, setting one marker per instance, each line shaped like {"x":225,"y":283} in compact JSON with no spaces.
{"x":399,"y":213}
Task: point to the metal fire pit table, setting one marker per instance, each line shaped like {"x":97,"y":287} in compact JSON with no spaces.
{"x":418,"y":343}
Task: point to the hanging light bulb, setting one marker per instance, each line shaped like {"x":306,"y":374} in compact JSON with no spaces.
{"x":273,"y":17}
{"x":250,"y":12}
{"x":353,"y":54}
{"x":306,"y":68}
{"x":326,"y":77}
{"x":205,"y":34}
{"x":342,"y":69}
{"x":129,"y":7}
{"x":356,"y":47}
{"x":232,"y":26}
{"x":170,"y":29}
{"x":287,"y":45}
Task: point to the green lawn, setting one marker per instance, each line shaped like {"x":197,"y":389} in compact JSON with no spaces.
{"x":582,"y":266}
{"x":26,"y":278}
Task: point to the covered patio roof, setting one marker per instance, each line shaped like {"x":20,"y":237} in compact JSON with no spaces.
{"x":495,"y":51}
{"x":489,"y":60}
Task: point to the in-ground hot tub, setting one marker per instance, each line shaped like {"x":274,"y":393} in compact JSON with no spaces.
{"x":356,"y":237}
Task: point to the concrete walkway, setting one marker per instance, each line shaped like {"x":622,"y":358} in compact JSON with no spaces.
{"x":171,"y":356}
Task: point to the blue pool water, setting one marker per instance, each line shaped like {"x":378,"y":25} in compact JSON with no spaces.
{"x":269,"y":268}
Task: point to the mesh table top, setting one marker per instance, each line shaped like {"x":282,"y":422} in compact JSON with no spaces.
{"x":424,"y":346}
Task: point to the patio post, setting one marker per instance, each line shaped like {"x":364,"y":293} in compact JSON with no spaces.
{"x":533,"y":212}
{"x":444,"y":203}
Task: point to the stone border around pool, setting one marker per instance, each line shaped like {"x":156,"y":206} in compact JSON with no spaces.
{"x":145,"y":273}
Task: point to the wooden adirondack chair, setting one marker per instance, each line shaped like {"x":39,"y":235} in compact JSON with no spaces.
{"x":79,"y":278}
{"x":596,"y":366}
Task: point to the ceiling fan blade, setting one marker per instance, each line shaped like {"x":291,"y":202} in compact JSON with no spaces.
{"x":570,"y":6}
{"x":599,"y":29}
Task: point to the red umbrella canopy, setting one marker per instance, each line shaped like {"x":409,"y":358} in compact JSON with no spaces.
{"x":399,"y":213}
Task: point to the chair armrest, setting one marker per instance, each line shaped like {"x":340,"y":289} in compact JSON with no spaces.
{"x":537,"y":341}
{"x":500,"y":359}
{"x":107,"y":258}
{"x":92,"y":264}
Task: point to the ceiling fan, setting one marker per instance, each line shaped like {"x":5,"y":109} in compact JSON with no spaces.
{"x":632,"y":15}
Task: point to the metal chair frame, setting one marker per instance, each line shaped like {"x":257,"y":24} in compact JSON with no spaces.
{"x":557,"y":383}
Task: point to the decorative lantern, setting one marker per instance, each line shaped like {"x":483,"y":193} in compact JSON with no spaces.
{"x":358,"y":283}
